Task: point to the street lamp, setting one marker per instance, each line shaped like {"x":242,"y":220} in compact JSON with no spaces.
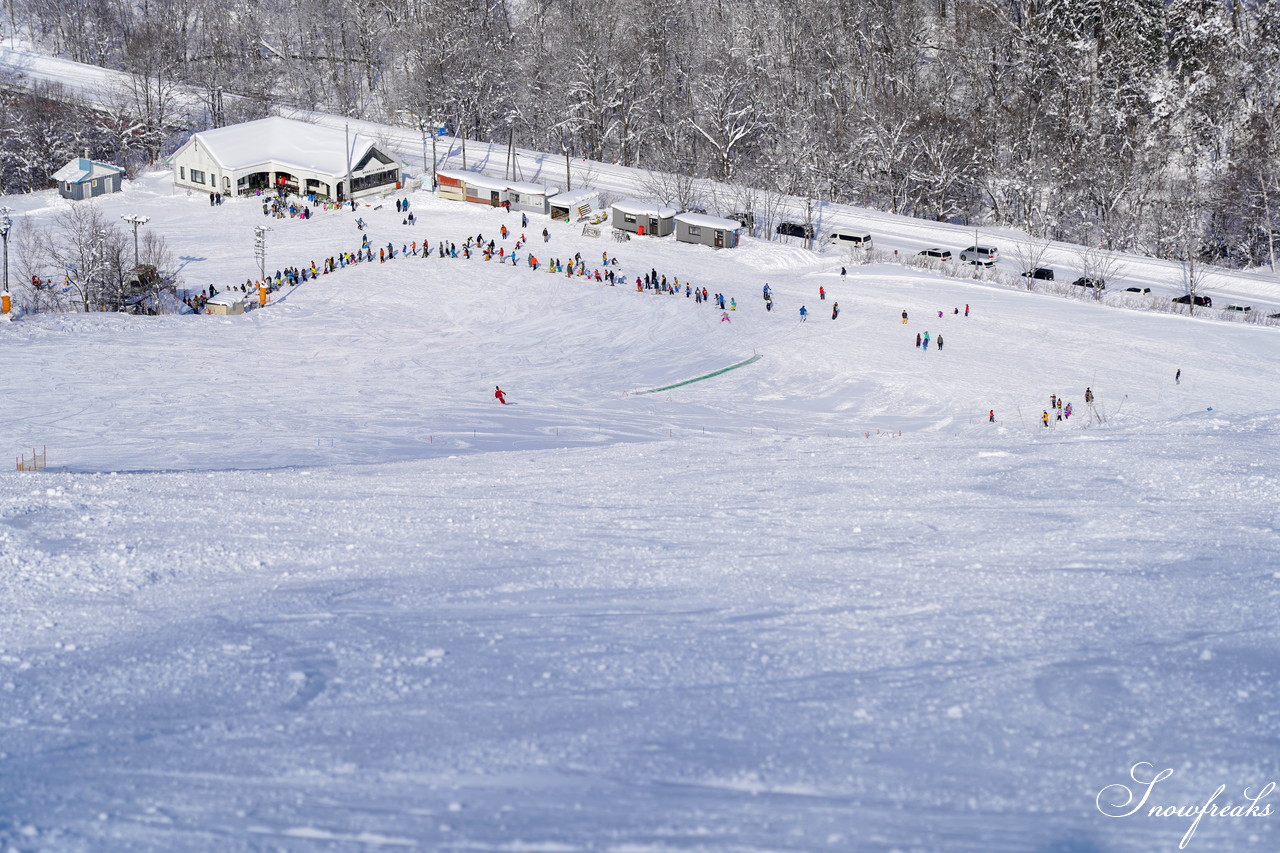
{"x":135,"y":220}
{"x":5,"y":224}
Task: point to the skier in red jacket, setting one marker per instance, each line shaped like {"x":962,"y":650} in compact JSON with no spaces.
{"x":501,"y":397}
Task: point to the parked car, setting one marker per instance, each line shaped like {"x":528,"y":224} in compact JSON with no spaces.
{"x":1202,"y":301}
{"x":1239,"y":307}
{"x":985,"y":255}
{"x":935,"y":254}
{"x":795,"y":229}
{"x":1095,"y":283}
{"x":856,"y":239}
{"x":1137,"y":290}
{"x":1042,"y":273}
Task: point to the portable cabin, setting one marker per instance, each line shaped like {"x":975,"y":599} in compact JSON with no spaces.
{"x":481,"y":189}
{"x":225,"y":303}
{"x":530,"y":197}
{"x":452,"y":184}
{"x":644,"y":217}
{"x":707,"y":230}
{"x":574,"y":206}
{"x":84,"y":178}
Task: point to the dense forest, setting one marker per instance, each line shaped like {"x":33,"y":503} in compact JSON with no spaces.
{"x":1141,"y":125}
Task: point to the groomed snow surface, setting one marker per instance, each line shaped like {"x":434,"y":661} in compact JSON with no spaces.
{"x":296,"y":581}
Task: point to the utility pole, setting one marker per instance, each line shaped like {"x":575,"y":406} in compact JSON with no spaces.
{"x":350,"y":194}
{"x":5,"y":224}
{"x":135,"y":220}
{"x":435,"y":134}
{"x":260,"y":249}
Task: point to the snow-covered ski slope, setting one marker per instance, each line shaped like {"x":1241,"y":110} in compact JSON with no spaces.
{"x":296,"y":581}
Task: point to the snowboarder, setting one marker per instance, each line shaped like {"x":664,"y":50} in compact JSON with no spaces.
{"x":768,"y":303}
{"x":991,"y":416}
{"x":1177,"y":377}
{"x":904,"y":316}
{"x":524,"y":221}
{"x":733,"y":304}
{"x":546,"y":235}
{"x":1088,"y":395}
{"x":843,"y":272}
{"x":499,"y":395}
{"x":926,"y":341}
{"x":835,"y":310}
{"x":917,"y":340}
{"x":804,"y":313}
{"x":966,"y":309}
{"x":822,"y":292}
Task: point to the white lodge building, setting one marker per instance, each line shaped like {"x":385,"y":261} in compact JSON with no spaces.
{"x":277,"y":152}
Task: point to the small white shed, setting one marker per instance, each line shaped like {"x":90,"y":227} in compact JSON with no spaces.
{"x":574,"y":206}
{"x":225,"y":303}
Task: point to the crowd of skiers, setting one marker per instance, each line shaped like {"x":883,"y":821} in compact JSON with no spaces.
{"x":606,"y":272}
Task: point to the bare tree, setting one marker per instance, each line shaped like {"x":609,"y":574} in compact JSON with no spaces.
{"x":90,"y":253}
{"x":1098,"y":266}
{"x":1030,"y":256}
{"x":673,"y":188}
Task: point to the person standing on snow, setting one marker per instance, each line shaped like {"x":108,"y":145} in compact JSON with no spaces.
{"x":991,"y":416}
{"x":904,"y":316}
{"x":499,"y":395}
{"x":822,"y":292}
{"x":1177,"y":377}
{"x":804,"y":313}
{"x":835,"y":310}
{"x":917,"y":340}
{"x":939,"y":343}
{"x":926,"y":341}
{"x":1044,"y":418}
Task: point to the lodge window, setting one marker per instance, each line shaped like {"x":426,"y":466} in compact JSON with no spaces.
{"x":695,"y":231}
{"x":197,"y":176}
{"x":629,"y":218}
{"x":182,"y":173}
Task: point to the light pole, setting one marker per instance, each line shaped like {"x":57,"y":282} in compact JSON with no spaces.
{"x":260,"y":249}
{"x":135,"y":220}
{"x":5,"y":224}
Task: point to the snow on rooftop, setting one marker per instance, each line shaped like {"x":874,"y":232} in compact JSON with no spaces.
{"x":80,"y":169}
{"x":644,"y":207}
{"x":574,"y":197}
{"x":531,"y":188}
{"x":705,"y":221}
{"x":284,"y":142}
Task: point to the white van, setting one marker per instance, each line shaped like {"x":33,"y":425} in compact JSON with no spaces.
{"x":851,"y":238}
{"x":985,"y":255}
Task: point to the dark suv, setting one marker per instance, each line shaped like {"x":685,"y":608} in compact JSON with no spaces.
{"x":793,"y":229}
{"x":1095,"y":283}
{"x":1202,"y":301}
{"x":1041,"y":273}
